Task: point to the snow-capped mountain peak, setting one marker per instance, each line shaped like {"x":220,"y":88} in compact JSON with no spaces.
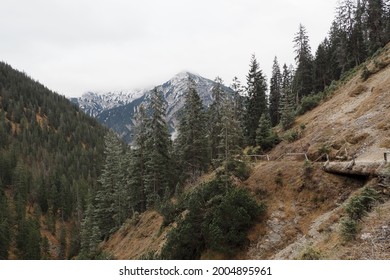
{"x":116,"y":110}
{"x":93,"y":103}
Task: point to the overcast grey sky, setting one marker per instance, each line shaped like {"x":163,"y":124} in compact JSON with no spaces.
{"x":73,"y":46}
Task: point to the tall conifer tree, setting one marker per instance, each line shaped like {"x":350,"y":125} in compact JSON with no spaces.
{"x":275,"y":93}
{"x":287,"y":103}
{"x":375,"y":24}
{"x":256,"y":100}
{"x":108,"y":196}
{"x":158,"y":146}
{"x":191,"y":139}
{"x":138,"y":163}
{"x":239,"y":106}
{"x":303,"y":78}
{"x":215,"y":119}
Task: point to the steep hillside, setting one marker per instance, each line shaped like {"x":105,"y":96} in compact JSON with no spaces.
{"x":354,"y":121}
{"x":307,"y":212}
{"x":50,"y":157}
{"x":305,"y":205}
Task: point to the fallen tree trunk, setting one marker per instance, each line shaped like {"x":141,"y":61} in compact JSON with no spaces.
{"x":366,"y":169}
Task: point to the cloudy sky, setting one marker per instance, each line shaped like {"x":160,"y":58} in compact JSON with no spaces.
{"x":73,"y":46}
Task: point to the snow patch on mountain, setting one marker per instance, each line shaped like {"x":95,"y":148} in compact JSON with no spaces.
{"x":94,"y":103}
{"x":116,"y":110}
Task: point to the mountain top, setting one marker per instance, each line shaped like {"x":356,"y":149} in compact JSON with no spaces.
{"x":116,"y":109}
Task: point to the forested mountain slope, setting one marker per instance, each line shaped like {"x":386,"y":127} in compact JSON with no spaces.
{"x":310,"y":214}
{"x":50,"y":156}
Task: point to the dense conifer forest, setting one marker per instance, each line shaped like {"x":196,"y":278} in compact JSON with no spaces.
{"x":50,"y":158}
{"x":67,"y":183}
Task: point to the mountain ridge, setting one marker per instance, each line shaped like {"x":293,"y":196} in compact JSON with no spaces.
{"x":117,"y":110}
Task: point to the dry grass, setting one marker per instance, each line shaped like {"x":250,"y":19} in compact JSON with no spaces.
{"x":359,"y":89}
{"x":134,"y":241}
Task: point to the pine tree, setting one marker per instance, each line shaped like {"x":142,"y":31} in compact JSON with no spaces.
{"x":74,"y":245}
{"x":375,"y":24}
{"x":275,"y":93}
{"x":191,"y":139}
{"x":303,"y":78}
{"x":45,"y":249}
{"x":231,"y":132}
{"x":256,"y":101}
{"x":215,"y":119}
{"x":265,"y":137}
{"x":158,"y":145}
{"x":5,"y":234}
{"x":336,"y":52}
{"x":287,"y":102}
{"x":28,"y":239}
{"x":63,"y":246}
{"x":352,"y":46}
{"x":386,"y":21}
{"x":129,"y":194}
{"x":357,"y":37}
{"x":239,"y":106}
{"x":108,"y":199}
{"x":138,"y":164}
{"x":90,"y":232}
{"x":321,"y":67}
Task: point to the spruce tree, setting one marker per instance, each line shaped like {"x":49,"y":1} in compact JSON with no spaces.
{"x":303,"y":78}
{"x":287,"y":103}
{"x":335,"y":51}
{"x":215,"y":119}
{"x":375,"y":24}
{"x":158,"y":179}
{"x":137,"y":166}
{"x":275,"y":93}
{"x":63,"y":246}
{"x":90,"y":232}
{"x":256,"y":103}
{"x":239,"y":106}
{"x":5,"y":234}
{"x":108,"y":197}
{"x":231,"y":132}
{"x":191,"y":140}
{"x":387,"y":21}
{"x":28,"y":239}
{"x":357,"y":37}
{"x":264,"y":133}
{"x":352,"y":46}
{"x":321,"y":67}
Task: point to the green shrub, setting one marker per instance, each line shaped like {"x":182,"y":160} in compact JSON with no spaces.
{"x":309,"y":102}
{"x":151,"y":255}
{"x":287,"y":119}
{"x":217,"y":218}
{"x":238,"y":169}
{"x":307,"y":168}
{"x":311,"y":254}
{"x":349,"y":229}
{"x":279,"y":178}
{"x":250,"y":150}
{"x":292,"y":136}
{"x":365,"y":73}
{"x":168,"y":210}
{"x":237,"y":207}
{"x":324,"y":149}
{"x":358,"y":206}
